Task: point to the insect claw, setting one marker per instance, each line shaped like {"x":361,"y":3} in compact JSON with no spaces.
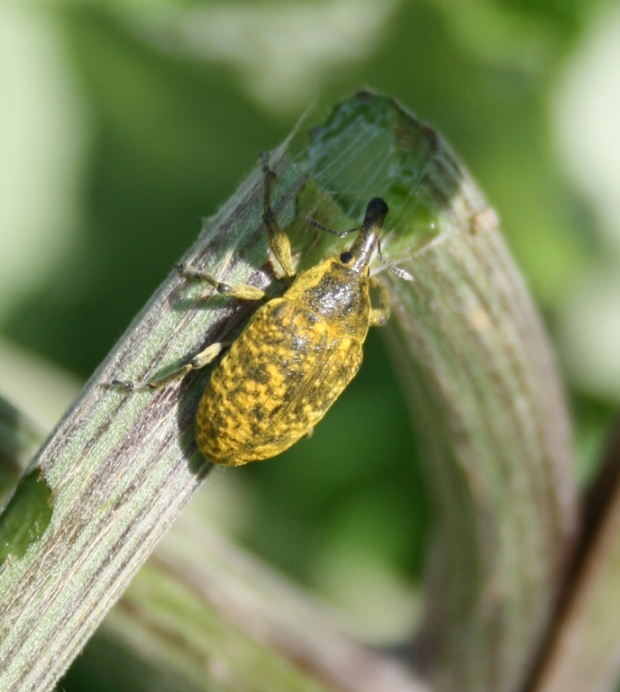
{"x":127,"y":385}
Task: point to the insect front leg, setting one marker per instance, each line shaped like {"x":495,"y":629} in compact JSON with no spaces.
{"x":379,"y":315}
{"x":278,"y":240}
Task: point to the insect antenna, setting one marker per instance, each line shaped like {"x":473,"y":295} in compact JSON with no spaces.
{"x":401,"y":273}
{"x":327,"y":229}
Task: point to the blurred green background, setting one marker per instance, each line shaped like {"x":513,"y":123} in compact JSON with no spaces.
{"x":123,"y":124}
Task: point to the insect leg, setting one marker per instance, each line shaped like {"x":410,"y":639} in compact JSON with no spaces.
{"x":243,"y":291}
{"x":380,"y":315}
{"x":278,"y":240}
{"x":200,"y":360}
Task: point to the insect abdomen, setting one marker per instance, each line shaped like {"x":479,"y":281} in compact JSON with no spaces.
{"x":276,"y":382}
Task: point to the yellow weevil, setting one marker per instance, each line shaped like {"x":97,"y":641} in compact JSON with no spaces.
{"x":296,"y":354}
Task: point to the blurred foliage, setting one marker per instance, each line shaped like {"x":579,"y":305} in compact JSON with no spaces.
{"x":127,"y":122}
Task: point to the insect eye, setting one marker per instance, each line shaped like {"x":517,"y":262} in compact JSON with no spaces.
{"x":346,"y":257}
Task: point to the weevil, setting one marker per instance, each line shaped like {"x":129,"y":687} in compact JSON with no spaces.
{"x":297,"y":353}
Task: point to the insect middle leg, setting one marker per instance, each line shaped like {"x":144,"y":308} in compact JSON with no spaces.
{"x":242,"y":291}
